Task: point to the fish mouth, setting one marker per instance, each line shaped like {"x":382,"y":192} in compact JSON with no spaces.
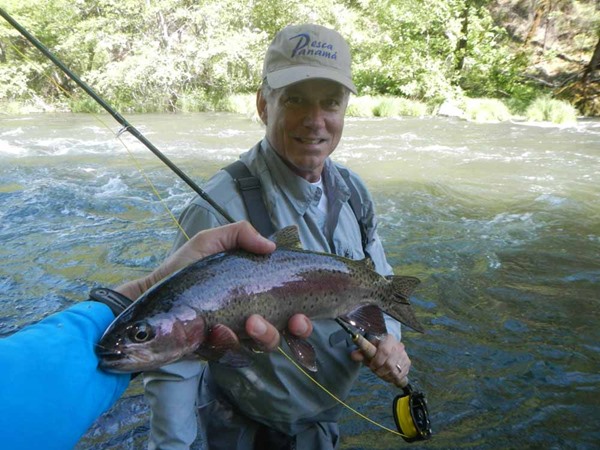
{"x":112,"y":361}
{"x":117,"y":361}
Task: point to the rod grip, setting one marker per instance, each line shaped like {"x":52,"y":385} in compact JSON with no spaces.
{"x":369,"y":350}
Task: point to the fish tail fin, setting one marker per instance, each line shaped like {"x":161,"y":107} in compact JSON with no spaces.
{"x":403,"y":286}
{"x":400,"y":308}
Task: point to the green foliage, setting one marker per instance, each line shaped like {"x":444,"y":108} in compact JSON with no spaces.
{"x":241,"y":104}
{"x":545,"y":109}
{"x":169,"y":55}
{"x":394,"y":107}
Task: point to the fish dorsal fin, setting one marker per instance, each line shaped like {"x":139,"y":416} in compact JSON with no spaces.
{"x":368,"y":263}
{"x":287,"y":237}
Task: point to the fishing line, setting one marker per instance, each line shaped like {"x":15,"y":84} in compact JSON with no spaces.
{"x":336,"y":398}
{"x":115,"y":114}
{"x":117,"y":135}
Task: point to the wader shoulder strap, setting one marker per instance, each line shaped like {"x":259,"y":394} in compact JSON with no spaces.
{"x":356,"y":205}
{"x":250,"y":190}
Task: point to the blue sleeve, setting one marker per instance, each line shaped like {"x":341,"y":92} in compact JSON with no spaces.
{"x":51,"y":389}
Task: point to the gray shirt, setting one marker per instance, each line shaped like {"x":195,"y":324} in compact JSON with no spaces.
{"x":271,"y":391}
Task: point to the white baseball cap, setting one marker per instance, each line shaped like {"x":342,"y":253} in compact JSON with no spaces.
{"x":301,"y":52}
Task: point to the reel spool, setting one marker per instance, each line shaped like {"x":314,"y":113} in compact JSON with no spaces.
{"x":411,"y":415}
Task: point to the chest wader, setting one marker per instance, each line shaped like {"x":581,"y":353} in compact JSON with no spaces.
{"x":410,"y":409}
{"x":250,"y":190}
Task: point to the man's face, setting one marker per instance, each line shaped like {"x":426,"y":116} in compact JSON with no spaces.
{"x":304,"y":123}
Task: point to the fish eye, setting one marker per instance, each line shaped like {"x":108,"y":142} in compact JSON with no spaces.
{"x":141,"y":332}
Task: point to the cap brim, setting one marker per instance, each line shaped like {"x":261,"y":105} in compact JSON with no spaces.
{"x":285,"y":77}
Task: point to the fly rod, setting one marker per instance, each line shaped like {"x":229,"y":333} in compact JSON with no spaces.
{"x":126,"y":125}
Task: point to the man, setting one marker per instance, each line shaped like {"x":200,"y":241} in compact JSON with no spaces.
{"x":51,"y":388}
{"x":271,"y":405}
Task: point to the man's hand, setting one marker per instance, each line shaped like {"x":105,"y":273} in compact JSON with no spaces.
{"x":205,"y":243}
{"x":390,"y":363}
{"x":208,"y":242}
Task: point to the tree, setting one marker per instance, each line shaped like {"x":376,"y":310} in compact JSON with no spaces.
{"x":594,"y":63}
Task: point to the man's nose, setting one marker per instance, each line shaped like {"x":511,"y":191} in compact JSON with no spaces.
{"x":314,"y":116}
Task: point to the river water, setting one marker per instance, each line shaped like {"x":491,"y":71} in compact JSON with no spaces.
{"x":500,"y":221}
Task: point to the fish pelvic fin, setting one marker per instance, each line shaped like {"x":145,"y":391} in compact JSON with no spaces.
{"x":400,"y":308}
{"x":302,"y":351}
{"x":287,"y":237}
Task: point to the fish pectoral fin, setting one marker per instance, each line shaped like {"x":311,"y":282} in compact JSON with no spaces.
{"x":367,"y":318}
{"x":223,"y":346}
{"x":236,"y":358}
{"x":302,"y":351}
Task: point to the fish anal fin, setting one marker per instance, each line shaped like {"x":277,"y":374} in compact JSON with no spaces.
{"x":287,"y":237}
{"x":367,"y":318}
{"x":302,"y":351}
{"x":236,"y":358}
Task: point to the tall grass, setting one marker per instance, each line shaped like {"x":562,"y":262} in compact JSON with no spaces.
{"x":486,"y":110}
{"x":363,"y":106}
{"x":385,"y":106}
{"x":546,"y":109}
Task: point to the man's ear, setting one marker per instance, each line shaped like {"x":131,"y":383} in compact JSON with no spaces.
{"x":261,"y":106}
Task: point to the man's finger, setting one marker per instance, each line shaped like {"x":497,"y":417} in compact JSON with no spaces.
{"x":265,"y":334}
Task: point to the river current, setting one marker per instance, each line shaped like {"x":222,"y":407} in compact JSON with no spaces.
{"x":500,"y":221}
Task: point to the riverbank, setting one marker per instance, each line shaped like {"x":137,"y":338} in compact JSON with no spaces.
{"x":485,"y":110}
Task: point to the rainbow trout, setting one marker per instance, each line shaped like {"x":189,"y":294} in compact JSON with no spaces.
{"x":173,"y":319}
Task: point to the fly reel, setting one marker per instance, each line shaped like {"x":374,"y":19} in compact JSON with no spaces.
{"x":411,"y":415}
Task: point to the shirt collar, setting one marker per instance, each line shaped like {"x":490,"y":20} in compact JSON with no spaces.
{"x":299,"y":192}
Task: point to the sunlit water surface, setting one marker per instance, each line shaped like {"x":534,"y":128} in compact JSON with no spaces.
{"x":500,"y":221}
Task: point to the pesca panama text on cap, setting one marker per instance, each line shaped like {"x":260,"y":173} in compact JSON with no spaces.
{"x":300,"y":52}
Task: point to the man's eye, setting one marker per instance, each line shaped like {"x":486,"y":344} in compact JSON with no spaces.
{"x":331,"y":103}
{"x":293,"y":101}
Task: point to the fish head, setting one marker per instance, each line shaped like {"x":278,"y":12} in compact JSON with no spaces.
{"x":138,"y":341}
